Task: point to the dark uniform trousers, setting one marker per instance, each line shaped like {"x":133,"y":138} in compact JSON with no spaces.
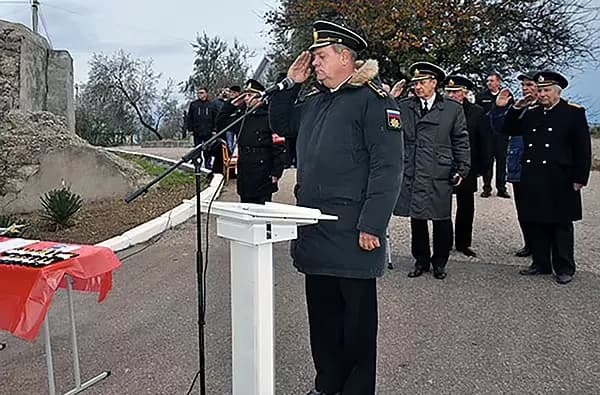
{"x":465,"y":212}
{"x":255,"y":199}
{"x":499,"y":150}
{"x":442,"y":243}
{"x":342,"y":315}
{"x":553,"y":247}
{"x":519,"y":204}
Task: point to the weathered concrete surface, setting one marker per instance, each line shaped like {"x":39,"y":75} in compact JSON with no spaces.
{"x":33,"y":76}
{"x":61,"y":96}
{"x":39,"y":153}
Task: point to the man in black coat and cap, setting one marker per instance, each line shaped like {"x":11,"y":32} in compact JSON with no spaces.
{"x":457,"y":87}
{"x":556,"y":166}
{"x":350,"y":160}
{"x":260,"y":159}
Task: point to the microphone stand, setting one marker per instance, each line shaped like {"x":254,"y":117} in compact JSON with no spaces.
{"x":195,"y":156}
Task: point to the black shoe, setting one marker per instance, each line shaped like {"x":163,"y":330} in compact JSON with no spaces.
{"x":523,"y":252}
{"x":485,"y":194}
{"x":467,"y":251}
{"x":533,"y":271}
{"x":439,"y":273}
{"x":417,"y":272}
{"x":564,"y":278}
{"x":503,"y":194}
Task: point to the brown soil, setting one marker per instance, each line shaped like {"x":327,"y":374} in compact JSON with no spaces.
{"x":103,"y":219}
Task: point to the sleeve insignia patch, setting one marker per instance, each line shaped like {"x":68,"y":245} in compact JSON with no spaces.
{"x":393,"y":119}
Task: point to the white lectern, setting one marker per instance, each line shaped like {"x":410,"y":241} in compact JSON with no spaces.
{"x":252,"y":229}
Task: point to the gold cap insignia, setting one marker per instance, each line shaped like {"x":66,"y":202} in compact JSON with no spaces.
{"x":541,"y":78}
{"x":451,"y":83}
{"x":315,"y":35}
{"x":417,"y":72}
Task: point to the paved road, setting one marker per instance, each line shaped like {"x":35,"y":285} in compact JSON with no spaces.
{"x":484,"y":330}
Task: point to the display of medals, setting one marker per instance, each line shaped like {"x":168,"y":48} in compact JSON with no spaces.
{"x":34,"y":258}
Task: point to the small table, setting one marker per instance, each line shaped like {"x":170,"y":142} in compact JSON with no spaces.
{"x":26,"y":294}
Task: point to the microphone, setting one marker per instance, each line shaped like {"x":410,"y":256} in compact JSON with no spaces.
{"x":284,"y":84}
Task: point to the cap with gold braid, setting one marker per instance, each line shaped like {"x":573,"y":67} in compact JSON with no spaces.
{"x":548,"y":78}
{"x":327,"y":33}
{"x":424,"y":71}
{"x":253,"y":86}
{"x":457,"y":83}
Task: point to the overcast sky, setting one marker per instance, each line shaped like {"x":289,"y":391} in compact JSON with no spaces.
{"x":163,"y":30}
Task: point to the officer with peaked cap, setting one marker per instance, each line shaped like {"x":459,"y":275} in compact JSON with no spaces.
{"x":514,"y":156}
{"x":457,"y":87}
{"x":350,"y":160}
{"x":436,"y":144}
{"x":556,"y":166}
{"x":260,"y":160}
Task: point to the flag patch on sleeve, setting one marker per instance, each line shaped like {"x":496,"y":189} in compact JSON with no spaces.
{"x":393,"y":119}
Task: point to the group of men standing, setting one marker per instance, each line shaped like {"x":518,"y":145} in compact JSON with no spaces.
{"x":364,"y":154}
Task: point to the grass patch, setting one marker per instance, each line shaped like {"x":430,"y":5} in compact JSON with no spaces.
{"x":176,"y":178}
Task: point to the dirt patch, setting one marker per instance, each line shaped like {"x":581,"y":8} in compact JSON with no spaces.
{"x":103,"y":219}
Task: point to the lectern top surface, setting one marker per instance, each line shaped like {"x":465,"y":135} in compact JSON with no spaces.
{"x":268,"y":210}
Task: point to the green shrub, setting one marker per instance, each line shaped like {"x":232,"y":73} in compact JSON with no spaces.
{"x":60,"y":207}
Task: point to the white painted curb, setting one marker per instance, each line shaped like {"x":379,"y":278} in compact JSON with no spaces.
{"x":168,"y":220}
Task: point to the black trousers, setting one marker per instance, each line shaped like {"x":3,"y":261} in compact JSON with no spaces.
{"x":465,"y":212}
{"x":342,"y":315}
{"x":255,"y":199}
{"x":442,"y":243}
{"x":553,"y":247}
{"x":519,"y":204}
{"x":499,"y":147}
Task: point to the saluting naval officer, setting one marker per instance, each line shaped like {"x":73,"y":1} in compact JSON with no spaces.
{"x":260,"y":161}
{"x":350,"y":159}
{"x":436,"y":144}
{"x":555,"y":167}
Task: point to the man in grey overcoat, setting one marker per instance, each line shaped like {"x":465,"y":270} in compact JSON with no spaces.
{"x":436,"y":159}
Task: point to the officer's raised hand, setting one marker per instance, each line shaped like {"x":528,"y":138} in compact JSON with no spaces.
{"x":503,"y":98}
{"x":398,"y":88}
{"x":300,"y":70}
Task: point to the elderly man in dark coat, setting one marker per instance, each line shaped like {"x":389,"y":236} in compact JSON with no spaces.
{"x":350,"y":159}
{"x":556,"y":166}
{"x":437,"y":158}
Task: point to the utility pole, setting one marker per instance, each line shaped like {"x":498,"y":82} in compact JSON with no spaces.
{"x":34,"y":15}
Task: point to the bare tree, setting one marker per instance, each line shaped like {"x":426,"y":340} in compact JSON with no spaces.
{"x":217,"y":64}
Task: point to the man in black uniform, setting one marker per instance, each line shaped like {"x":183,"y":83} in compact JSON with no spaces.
{"x":201,"y":121}
{"x":260,"y":160}
{"x":350,"y":159}
{"x":457,"y":88}
{"x":437,"y":159}
{"x":556,"y":166}
{"x":499,"y":141}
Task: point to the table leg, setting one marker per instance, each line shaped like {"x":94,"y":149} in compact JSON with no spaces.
{"x":49,"y":364}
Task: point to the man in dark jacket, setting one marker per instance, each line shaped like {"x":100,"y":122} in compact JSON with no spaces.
{"x":514,"y":157}
{"x":260,"y":160}
{"x":499,"y":141}
{"x":201,"y":121}
{"x":436,"y":144}
{"x":350,"y":158}
{"x":457,"y":88}
{"x":556,"y":166}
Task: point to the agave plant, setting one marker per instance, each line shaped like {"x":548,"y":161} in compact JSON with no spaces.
{"x":60,"y":207}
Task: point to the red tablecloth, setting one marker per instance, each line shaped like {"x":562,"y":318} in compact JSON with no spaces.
{"x":26,"y":293}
